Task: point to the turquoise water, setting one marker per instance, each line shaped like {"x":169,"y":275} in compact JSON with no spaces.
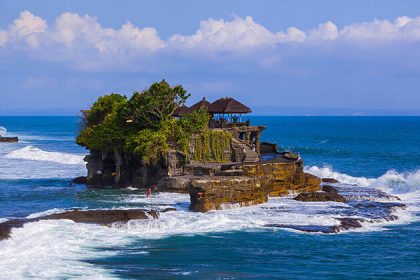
{"x":375,"y":152}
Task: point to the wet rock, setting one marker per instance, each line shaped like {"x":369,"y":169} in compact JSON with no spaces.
{"x":170,"y":209}
{"x":102,"y":217}
{"x":307,"y":228}
{"x":345,"y":224}
{"x":349,"y":223}
{"x":279,"y":178}
{"x":8,"y":139}
{"x":80,"y":180}
{"x":329,"y":189}
{"x":320,"y":196}
{"x":215,"y":193}
{"x":330,"y":180}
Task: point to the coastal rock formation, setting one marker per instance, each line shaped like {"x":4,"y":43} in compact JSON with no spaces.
{"x":79,"y":180}
{"x":330,"y":180}
{"x":320,"y":196}
{"x":282,"y":177}
{"x":217,"y":193}
{"x":220,"y":184}
{"x":152,"y":140}
{"x":8,"y":139}
{"x":102,"y":217}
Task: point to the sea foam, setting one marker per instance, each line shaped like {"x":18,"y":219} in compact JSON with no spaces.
{"x":3,"y":131}
{"x":33,"y":153}
{"x":392,"y":181}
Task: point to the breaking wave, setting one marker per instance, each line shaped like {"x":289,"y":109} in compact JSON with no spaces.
{"x":3,"y":131}
{"x":33,"y":153}
{"x":392,"y":181}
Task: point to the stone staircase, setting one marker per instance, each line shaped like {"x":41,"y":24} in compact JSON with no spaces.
{"x":245,"y":150}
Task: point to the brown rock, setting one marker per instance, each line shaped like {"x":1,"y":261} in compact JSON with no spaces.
{"x":330,"y":180}
{"x":320,"y":196}
{"x":80,"y":180}
{"x":8,"y":139}
{"x":222,"y":192}
{"x":102,"y":217}
{"x":281,"y":177}
{"x":329,"y":189}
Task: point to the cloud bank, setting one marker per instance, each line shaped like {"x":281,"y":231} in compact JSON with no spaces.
{"x":81,"y":38}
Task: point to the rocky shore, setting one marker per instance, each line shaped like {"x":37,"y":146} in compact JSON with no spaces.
{"x":101,"y":217}
{"x":8,"y":139}
{"x":211,"y":186}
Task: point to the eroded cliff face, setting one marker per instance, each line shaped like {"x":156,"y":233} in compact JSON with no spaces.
{"x":211,"y":185}
{"x":281,"y":178}
{"x":116,"y":169}
{"x":225,"y":192}
{"x":255,"y":184}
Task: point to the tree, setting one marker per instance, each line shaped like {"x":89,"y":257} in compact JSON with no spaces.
{"x":142,"y":125}
{"x":156,"y":104}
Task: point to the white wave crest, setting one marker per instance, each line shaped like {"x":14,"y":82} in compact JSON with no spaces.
{"x":55,"y":250}
{"x":3,"y":131}
{"x":392,"y":181}
{"x":33,"y":153}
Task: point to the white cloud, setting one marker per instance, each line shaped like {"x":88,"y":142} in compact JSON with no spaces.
{"x":27,"y":27}
{"x":292,"y":35}
{"x":324,"y":31}
{"x":83,"y":41}
{"x":3,"y":37}
{"x":402,"y":29}
{"x":73,"y":29}
{"x":237,"y":34}
{"x":73,"y":37}
{"x":382,"y":30}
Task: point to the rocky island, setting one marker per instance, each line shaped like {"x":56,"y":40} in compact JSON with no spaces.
{"x":8,"y":139}
{"x":152,"y":140}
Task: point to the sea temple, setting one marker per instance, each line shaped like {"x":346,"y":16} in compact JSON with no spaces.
{"x":222,"y":165}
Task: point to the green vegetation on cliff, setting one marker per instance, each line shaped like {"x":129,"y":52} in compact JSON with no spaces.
{"x":210,"y":145}
{"x":141,"y":125}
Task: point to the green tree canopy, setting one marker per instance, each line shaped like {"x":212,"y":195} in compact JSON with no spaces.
{"x":142,"y":125}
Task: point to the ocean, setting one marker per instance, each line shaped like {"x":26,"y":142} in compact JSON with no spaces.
{"x":382,"y":153}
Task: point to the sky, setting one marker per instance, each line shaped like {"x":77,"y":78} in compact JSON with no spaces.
{"x":358,"y":57}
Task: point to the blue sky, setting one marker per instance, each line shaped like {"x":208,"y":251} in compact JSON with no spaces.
{"x":278,"y":57}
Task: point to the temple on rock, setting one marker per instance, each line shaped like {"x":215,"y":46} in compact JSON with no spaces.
{"x":227,"y":114}
{"x":224,"y":165}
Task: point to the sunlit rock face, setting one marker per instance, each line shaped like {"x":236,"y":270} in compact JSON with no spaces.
{"x":258,"y":181}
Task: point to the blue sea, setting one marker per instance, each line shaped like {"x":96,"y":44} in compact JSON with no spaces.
{"x":382,"y":153}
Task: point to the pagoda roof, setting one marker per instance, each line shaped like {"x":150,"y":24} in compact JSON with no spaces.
{"x":201,"y":104}
{"x":228,"y":105}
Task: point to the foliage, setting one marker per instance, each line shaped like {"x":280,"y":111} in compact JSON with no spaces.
{"x":142,"y":125}
{"x":155,"y":105}
{"x":103,"y":126}
{"x":210,"y":145}
{"x":148,"y":144}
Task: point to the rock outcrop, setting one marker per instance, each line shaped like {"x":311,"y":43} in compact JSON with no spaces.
{"x":330,"y":180}
{"x":328,"y":193}
{"x":320,"y":196}
{"x":220,"y":170}
{"x":102,"y":217}
{"x":216,"y":193}
{"x":9,"y":139}
{"x":282,"y":177}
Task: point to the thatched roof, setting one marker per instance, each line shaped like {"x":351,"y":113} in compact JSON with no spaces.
{"x":203,"y":103}
{"x":181,"y":111}
{"x":228,"y":106}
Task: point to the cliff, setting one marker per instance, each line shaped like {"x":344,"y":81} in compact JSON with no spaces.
{"x":211,"y":185}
